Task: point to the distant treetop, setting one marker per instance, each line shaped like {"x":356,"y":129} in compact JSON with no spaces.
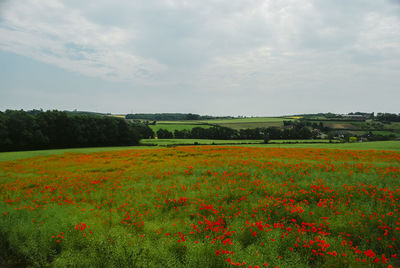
{"x":173,"y":116}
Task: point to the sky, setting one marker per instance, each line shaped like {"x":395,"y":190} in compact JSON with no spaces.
{"x":210,"y":57}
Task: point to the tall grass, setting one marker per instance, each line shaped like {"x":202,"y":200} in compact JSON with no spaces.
{"x":202,"y":207}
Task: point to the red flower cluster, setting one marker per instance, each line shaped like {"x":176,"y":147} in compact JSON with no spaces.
{"x":254,"y":206}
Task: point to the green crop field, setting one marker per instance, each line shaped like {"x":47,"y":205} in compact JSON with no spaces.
{"x":302,"y":141}
{"x":8,"y":156}
{"x":253,"y":122}
{"x":202,"y":206}
{"x":249,"y":120}
{"x":244,"y":125}
{"x":374,"y":145}
{"x":376,"y":132}
{"x":340,"y":125}
{"x":265,"y":122}
{"x":165,"y":142}
{"x":233,"y":120}
{"x":394,"y":126}
{"x":177,"y":126}
{"x":236,"y":123}
{"x":181,"y":122}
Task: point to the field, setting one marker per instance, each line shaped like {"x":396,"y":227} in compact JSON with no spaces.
{"x":385,"y":133}
{"x":176,"y":126}
{"x":7,"y":156}
{"x":376,"y":145}
{"x":237,"y":123}
{"x":254,"y":122}
{"x":355,"y":127}
{"x":339,"y":125}
{"x":171,"y":142}
{"x":202,"y":206}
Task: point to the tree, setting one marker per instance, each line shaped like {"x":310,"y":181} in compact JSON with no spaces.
{"x":164,"y":134}
{"x":144,"y":131}
{"x":182,"y":134}
{"x":266,"y":138}
{"x":20,"y":130}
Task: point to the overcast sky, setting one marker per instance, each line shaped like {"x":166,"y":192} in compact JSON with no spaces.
{"x":225,"y":57}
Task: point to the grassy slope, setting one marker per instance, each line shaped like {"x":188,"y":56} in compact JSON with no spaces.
{"x":192,"y":141}
{"x":375,"y":132}
{"x":9,"y":156}
{"x":137,"y":203}
{"x":173,"y":127}
{"x":237,"y":123}
{"x":249,"y":120}
{"x":244,"y":125}
{"x":378,"y":145}
{"x":235,"y":120}
{"x":204,"y":141}
{"x":262,"y":122}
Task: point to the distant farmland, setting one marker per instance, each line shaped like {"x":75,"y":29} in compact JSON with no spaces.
{"x":237,"y":123}
{"x":176,"y":126}
{"x":173,"y":142}
{"x":326,"y":125}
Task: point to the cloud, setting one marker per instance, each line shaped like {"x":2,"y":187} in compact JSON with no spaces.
{"x":264,"y":48}
{"x":49,"y":31}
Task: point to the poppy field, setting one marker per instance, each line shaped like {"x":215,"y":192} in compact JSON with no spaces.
{"x":204,"y":206}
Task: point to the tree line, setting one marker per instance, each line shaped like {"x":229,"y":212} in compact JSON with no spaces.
{"x":298,"y":131}
{"x":20,"y":130}
{"x":173,"y":117}
{"x":388,"y":117}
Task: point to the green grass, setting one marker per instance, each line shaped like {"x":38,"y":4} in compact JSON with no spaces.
{"x":199,"y":206}
{"x":340,"y":125}
{"x":300,"y":141}
{"x":375,"y":145}
{"x":164,"y":142}
{"x":244,"y":125}
{"x":374,"y":132}
{"x":259,"y":122}
{"x":236,"y":123}
{"x":249,"y":120}
{"x":9,"y":156}
{"x":173,"y":127}
{"x":255,"y":122}
{"x":235,"y":120}
{"x":395,"y":126}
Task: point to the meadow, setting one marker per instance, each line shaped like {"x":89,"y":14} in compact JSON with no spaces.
{"x":209,"y":206}
{"x":236,"y":123}
{"x":154,"y":143}
{"x":174,"y":142}
{"x":375,"y":145}
{"x":383,"y":132}
{"x":176,"y":126}
{"x":355,"y":127}
{"x":252,"y":122}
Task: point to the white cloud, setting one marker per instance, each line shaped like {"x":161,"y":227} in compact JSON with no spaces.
{"x":51,"y":32}
{"x":267,"y":48}
{"x":379,"y":33}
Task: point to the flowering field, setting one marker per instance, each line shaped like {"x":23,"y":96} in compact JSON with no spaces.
{"x":202,"y":207}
